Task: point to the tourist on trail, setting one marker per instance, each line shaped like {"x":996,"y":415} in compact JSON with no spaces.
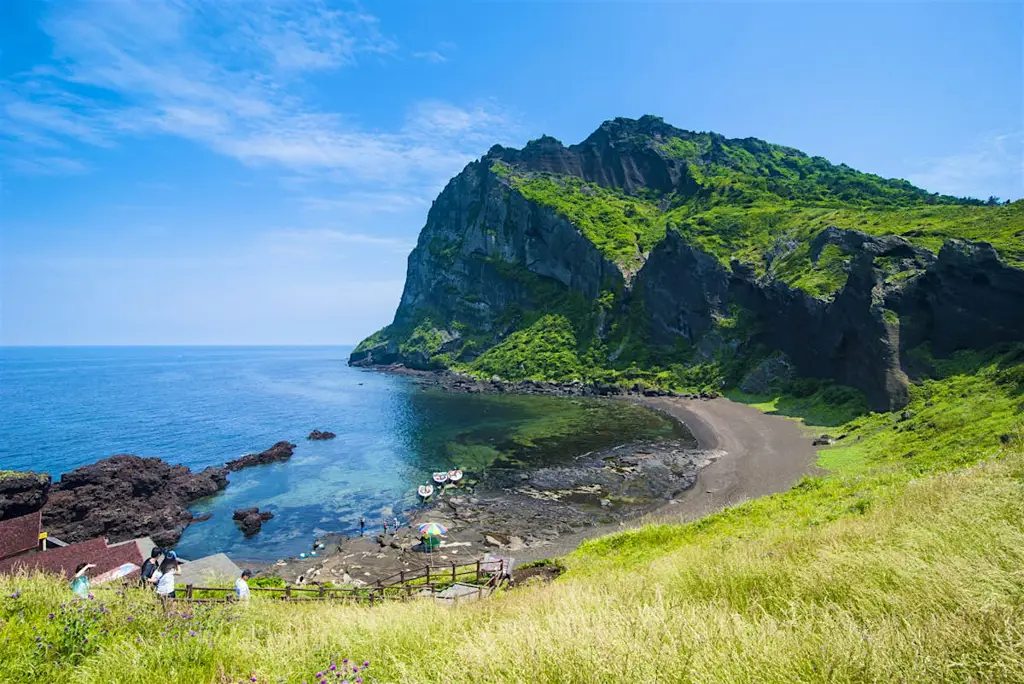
{"x":395,"y":521}
{"x":385,"y":527}
{"x":164,"y":577}
{"x":242,"y":586}
{"x":151,"y":565}
{"x":80,"y":584}
{"x":362,"y":525}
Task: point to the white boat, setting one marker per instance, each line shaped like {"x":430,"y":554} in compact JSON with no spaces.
{"x":454,"y":476}
{"x":441,"y":477}
{"x":425,"y":491}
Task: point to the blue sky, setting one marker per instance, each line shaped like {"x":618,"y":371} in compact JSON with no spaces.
{"x":256,"y":172}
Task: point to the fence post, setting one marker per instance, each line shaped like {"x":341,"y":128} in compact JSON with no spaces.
{"x":401,"y":577}
{"x":477,"y":569}
{"x":188,"y":591}
{"x":287,"y":593}
{"x":323,"y":591}
{"x":428,"y":574}
{"x":372,"y":591}
{"x":453,"y":572}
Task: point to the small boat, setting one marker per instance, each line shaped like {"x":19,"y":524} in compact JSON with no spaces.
{"x":425,"y":491}
{"x":454,"y":476}
{"x":441,"y":477}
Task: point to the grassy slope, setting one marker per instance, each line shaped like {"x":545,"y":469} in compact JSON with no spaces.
{"x":892,"y":568}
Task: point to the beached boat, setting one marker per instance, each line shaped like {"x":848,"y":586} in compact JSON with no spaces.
{"x":441,"y":477}
{"x":454,"y":476}
{"x":425,"y":491}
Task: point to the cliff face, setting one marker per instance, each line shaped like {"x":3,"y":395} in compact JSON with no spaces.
{"x":22,"y":493}
{"x":676,"y":250}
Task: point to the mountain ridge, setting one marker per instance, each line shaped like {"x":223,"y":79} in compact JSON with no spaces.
{"x":691,"y":260}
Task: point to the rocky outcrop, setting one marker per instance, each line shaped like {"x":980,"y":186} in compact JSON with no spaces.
{"x":487,"y":254}
{"x":22,"y":493}
{"x":125,"y":496}
{"x":281,"y":451}
{"x":250,"y":520}
{"x":318,"y":435}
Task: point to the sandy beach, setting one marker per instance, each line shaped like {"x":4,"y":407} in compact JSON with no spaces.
{"x":755,"y":454}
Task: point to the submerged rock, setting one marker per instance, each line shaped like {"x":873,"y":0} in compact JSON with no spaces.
{"x":318,"y":435}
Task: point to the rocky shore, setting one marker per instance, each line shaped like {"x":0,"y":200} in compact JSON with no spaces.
{"x":126,"y":496}
{"x":453,"y":381}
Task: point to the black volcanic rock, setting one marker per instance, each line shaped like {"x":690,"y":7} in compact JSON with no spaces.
{"x":126,"y":496}
{"x":250,"y":520}
{"x":281,"y":451}
{"x":22,"y":493}
{"x":318,"y":435}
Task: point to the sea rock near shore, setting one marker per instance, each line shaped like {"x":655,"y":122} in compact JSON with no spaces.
{"x":318,"y":435}
{"x":250,"y":520}
{"x":125,"y":496}
{"x":22,"y":493}
{"x":281,"y":451}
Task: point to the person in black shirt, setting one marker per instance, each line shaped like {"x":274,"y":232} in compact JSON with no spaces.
{"x":151,"y":564}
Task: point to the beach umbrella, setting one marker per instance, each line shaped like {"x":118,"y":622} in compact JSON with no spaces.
{"x":433,"y":529}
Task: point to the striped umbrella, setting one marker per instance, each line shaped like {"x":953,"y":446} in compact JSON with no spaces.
{"x":432,"y":529}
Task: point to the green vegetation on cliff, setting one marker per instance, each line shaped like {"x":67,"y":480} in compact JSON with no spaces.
{"x":544,"y":351}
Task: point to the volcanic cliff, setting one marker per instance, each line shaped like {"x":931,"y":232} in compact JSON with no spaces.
{"x":695,"y":260}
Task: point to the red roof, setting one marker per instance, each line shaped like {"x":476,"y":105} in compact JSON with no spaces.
{"x":19,"y":535}
{"x":65,"y":559}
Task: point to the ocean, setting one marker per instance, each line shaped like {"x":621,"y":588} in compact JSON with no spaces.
{"x":65,"y":407}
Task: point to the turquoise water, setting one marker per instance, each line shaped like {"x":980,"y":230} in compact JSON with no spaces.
{"x":66,"y":407}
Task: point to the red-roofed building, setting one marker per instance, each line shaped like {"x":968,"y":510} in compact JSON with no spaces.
{"x":20,"y":535}
{"x":65,"y":559}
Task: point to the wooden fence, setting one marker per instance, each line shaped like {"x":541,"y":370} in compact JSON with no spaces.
{"x":425,"y":582}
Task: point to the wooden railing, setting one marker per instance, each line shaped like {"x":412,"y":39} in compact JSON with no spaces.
{"x":402,"y":586}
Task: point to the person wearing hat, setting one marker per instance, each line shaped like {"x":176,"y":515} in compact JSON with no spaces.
{"x":242,"y":586}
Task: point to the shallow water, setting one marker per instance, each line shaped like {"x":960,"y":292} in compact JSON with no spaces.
{"x":65,"y":407}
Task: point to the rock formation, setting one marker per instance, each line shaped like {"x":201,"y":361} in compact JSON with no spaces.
{"x":548,"y":229}
{"x":125,"y":496}
{"x":318,"y":435}
{"x":250,"y":520}
{"x":281,"y":451}
{"x":22,"y":493}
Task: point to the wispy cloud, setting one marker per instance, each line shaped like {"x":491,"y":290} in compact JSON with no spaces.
{"x":319,"y":242}
{"x":993,"y":165}
{"x":431,"y":56}
{"x":233,"y":78}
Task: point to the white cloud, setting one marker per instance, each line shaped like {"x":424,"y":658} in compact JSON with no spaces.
{"x":231,"y":77}
{"x":993,"y":165}
{"x":431,"y":56}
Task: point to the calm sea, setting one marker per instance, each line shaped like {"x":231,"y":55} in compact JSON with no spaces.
{"x":65,"y":407}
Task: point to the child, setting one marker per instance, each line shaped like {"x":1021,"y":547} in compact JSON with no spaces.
{"x":80,"y":584}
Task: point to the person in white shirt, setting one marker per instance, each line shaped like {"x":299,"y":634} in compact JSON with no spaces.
{"x":164,"y":578}
{"x":242,"y":586}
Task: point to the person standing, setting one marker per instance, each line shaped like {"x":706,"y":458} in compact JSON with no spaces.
{"x":80,"y":583}
{"x":385,"y":527}
{"x":395,"y":530}
{"x":151,"y":565}
{"x":362,"y":525}
{"x":242,"y":586}
{"x":164,"y":577}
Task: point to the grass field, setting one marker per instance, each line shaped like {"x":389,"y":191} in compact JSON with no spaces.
{"x":904,"y":564}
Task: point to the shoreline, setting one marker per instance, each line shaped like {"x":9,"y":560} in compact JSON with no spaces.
{"x":741,"y":454}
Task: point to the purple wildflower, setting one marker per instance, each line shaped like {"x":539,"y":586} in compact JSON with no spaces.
{"x":333,"y":667}
{"x":50,"y":616}
{"x":253,"y":679}
{"x":16,"y":594}
{"x":366,"y":663}
{"x":86,"y":639}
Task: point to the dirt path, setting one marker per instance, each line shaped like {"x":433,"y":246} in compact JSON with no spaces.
{"x":763,"y":455}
